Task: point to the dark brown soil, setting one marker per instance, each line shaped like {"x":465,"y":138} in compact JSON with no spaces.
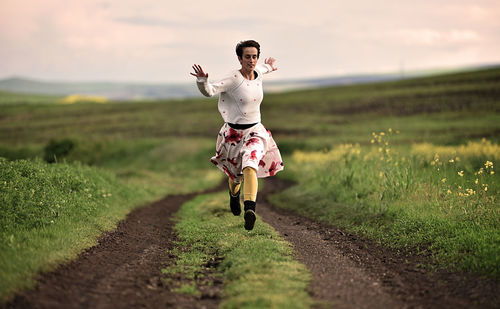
{"x":123,"y":270}
{"x":352,"y":272}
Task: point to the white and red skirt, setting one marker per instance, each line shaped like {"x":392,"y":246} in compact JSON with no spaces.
{"x":253,"y":147}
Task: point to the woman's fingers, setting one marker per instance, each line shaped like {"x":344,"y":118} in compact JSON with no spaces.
{"x":198,"y":71}
{"x":271,"y":61}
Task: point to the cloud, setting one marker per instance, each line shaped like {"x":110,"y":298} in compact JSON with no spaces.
{"x":158,"y":40}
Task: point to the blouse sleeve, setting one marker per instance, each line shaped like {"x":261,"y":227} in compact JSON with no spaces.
{"x":209,"y":89}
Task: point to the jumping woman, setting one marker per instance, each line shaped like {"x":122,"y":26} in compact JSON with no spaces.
{"x":245,"y":150}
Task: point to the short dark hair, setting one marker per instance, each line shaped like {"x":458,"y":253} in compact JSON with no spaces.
{"x":248,"y":43}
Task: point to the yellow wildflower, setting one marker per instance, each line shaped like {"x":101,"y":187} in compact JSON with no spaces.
{"x":449,"y":191}
{"x":461,"y":173}
{"x":476,"y":181}
{"x":480,"y":171}
{"x":443,"y":180}
{"x":451,"y":161}
{"x":382,"y":133}
{"x":488,"y":164}
{"x":380,"y":174}
{"x":390,"y":130}
{"x":372,"y":141}
{"x":492,"y":172}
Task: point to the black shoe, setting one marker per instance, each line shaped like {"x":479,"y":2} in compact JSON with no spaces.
{"x":249,"y":215}
{"x":234,"y":203}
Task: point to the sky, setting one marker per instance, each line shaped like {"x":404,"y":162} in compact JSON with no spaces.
{"x":158,"y":41}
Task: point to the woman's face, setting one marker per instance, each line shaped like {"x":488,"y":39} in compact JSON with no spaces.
{"x":249,"y":58}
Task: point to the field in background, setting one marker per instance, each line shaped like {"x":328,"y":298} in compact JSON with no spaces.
{"x":162,"y":147}
{"x":447,"y":109}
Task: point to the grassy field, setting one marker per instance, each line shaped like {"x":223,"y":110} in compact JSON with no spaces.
{"x":49,"y":212}
{"x":440,"y":201}
{"x":162,"y":147}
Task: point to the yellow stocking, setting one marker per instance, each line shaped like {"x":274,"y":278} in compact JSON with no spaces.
{"x":250,"y":184}
{"x":233,"y":187}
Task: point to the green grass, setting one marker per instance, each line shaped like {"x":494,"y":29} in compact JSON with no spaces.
{"x":49,"y":213}
{"x":189,"y":289}
{"x":7,"y":97}
{"x":421,"y":108}
{"x":406,"y":199}
{"x":257,"y":267}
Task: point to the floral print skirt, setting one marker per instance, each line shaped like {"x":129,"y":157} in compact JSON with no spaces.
{"x":253,"y":147}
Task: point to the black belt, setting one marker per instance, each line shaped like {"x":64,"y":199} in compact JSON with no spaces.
{"x":239,"y":126}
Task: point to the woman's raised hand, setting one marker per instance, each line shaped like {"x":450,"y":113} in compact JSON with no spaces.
{"x":198,"y":71}
{"x":271,"y":62}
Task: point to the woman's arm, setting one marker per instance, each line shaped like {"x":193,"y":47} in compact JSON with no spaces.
{"x":210,"y":89}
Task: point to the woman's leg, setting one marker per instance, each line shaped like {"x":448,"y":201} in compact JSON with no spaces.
{"x":250,"y":186}
{"x":234,"y":187}
{"x":234,"y":197}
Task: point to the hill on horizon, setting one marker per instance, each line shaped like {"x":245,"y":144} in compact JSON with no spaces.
{"x":144,"y":91}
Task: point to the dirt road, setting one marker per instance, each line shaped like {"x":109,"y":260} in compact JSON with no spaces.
{"x":123,"y":270}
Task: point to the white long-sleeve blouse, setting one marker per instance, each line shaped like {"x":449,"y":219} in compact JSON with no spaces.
{"x":239,"y":98}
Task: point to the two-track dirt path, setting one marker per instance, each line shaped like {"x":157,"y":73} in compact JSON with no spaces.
{"x":123,"y":270}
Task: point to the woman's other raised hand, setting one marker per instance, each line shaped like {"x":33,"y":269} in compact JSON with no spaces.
{"x":271,"y":62}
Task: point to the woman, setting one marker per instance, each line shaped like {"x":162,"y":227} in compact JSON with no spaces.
{"x":245,"y":150}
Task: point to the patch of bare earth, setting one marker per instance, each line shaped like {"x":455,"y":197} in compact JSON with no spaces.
{"x":352,"y":272}
{"x":124,"y":269}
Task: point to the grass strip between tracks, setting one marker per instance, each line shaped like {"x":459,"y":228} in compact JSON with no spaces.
{"x":257,"y":266}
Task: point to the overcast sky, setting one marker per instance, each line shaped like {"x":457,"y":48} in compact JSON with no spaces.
{"x":159,"y":40}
